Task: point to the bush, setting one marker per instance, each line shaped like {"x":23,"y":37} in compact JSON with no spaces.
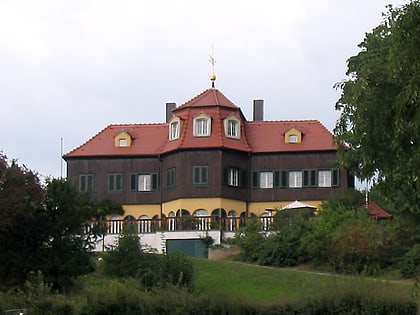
{"x":123,"y":260}
{"x":410,"y":264}
{"x":157,"y":270}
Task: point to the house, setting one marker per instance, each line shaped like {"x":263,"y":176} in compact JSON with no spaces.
{"x":206,"y":168}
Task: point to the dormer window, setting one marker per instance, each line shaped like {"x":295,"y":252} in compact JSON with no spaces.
{"x":293,"y":138}
{"x":202,"y":126}
{"x":123,"y":143}
{"x":122,"y":139}
{"x":174,"y":128}
{"x":232,"y":127}
{"x":293,"y":135}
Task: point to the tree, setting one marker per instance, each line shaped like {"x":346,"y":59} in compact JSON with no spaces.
{"x":42,"y":228}
{"x":21,"y":232}
{"x":379,"y":126}
{"x":69,"y":240}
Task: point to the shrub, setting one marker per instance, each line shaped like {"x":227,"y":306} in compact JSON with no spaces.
{"x":162,"y":270}
{"x":123,"y":260}
{"x":410,"y":264}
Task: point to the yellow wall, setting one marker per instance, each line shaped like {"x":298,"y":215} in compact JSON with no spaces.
{"x":209,"y":204}
{"x":139,"y":210}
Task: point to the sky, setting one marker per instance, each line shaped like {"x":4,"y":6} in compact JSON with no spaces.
{"x":69,"y":68}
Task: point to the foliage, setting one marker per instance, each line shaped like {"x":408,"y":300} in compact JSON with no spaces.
{"x":66,"y":252}
{"x":379,"y":126}
{"x":127,"y":260}
{"x":42,"y":228}
{"x":222,"y":288}
{"x":123,"y":260}
{"x":283,"y":248}
{"x":410,"y":263}
{"x":21,"y":222}
{"x":250,"y":239}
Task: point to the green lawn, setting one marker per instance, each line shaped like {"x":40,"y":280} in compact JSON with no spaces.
{"x":265,"y":284}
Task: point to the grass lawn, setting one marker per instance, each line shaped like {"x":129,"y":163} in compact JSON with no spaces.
{"x":266,"y":284}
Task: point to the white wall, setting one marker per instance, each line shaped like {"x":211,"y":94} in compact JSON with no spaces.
{"x":156,"y":242}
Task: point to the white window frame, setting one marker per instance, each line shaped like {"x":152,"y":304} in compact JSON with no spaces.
{"x":233,"y":177}
{"x":202,"y":126}
{"x":144,"y":182}
{"x":324,"y":178}
{"x":232,"y":127}
{"x":174,"y":130}
{"x":295,"y":179}
{"x":123,"y":142}
{"x":293,"y":138}
{"x":266,"y":179}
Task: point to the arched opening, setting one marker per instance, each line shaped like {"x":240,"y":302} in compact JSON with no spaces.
{"x":218,"y":219}
{"x":232,"y":222}
{"x":144,"y":224}
{"x":202,"y":223}
{"x":266,"y":221}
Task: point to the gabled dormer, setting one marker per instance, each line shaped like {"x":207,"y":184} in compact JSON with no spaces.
{"x":202,"y":125}
{"x":232,"y":126}
{"x":123,"y":139}
{"x":175,"y":125}
{"x":293,"y":135}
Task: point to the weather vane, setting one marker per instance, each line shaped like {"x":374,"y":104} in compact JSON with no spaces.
{"x":212,"y":61}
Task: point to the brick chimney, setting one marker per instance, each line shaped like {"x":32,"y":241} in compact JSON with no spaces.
{"x":169,"y":108}
{"x":258,"y":113}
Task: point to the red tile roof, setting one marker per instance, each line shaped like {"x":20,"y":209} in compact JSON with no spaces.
{"x":208,"y":98}
{"x":256,"y":136}
{"x":376,"y":212}
{"x":268,"y":136}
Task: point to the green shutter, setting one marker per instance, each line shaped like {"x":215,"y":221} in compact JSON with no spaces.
{"x":335,"y":177}
{"x":242,"y":178}
{"x":314,"y":178}
{"x":306,"y":178}
{"x":133,"y":182}
{"x":255,"y":179}
{"x":276,"y":178}
{"x":155,"y":181}
{"x":225,"y":175}
{"x":284,"y":179}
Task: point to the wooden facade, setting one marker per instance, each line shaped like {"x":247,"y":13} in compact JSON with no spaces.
{"x":157,"y":172}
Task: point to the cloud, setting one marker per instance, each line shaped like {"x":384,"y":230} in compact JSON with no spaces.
{"x":69,"y":68}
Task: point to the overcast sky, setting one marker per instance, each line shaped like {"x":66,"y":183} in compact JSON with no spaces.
{"x":70,"y":68}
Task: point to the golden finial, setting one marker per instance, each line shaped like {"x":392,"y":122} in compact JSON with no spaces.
{"x":212,"y":61}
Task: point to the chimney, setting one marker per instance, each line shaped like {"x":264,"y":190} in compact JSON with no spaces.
{"x":258,"y":110}
{"x":169,"y":108}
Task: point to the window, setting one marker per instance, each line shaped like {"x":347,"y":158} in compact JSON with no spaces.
{"x":232,"y":127}
{"x":266,"y":180}
{"x":85,"y":182}
{"x":233,"y":177}
{"x":123,"y":143}
{"x":115,"y":182}
{"x":293,"y":138}
{"x":144,"y":182}
{"x":202,"y":126}
{"x":170,"y":177}
{"x":324,"y":178}
{"x":200,"y":175}
{"x":295,"y":179}
{"x":174,"y":130}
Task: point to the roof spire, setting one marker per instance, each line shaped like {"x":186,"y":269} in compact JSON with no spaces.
{"x":212,"y":61}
